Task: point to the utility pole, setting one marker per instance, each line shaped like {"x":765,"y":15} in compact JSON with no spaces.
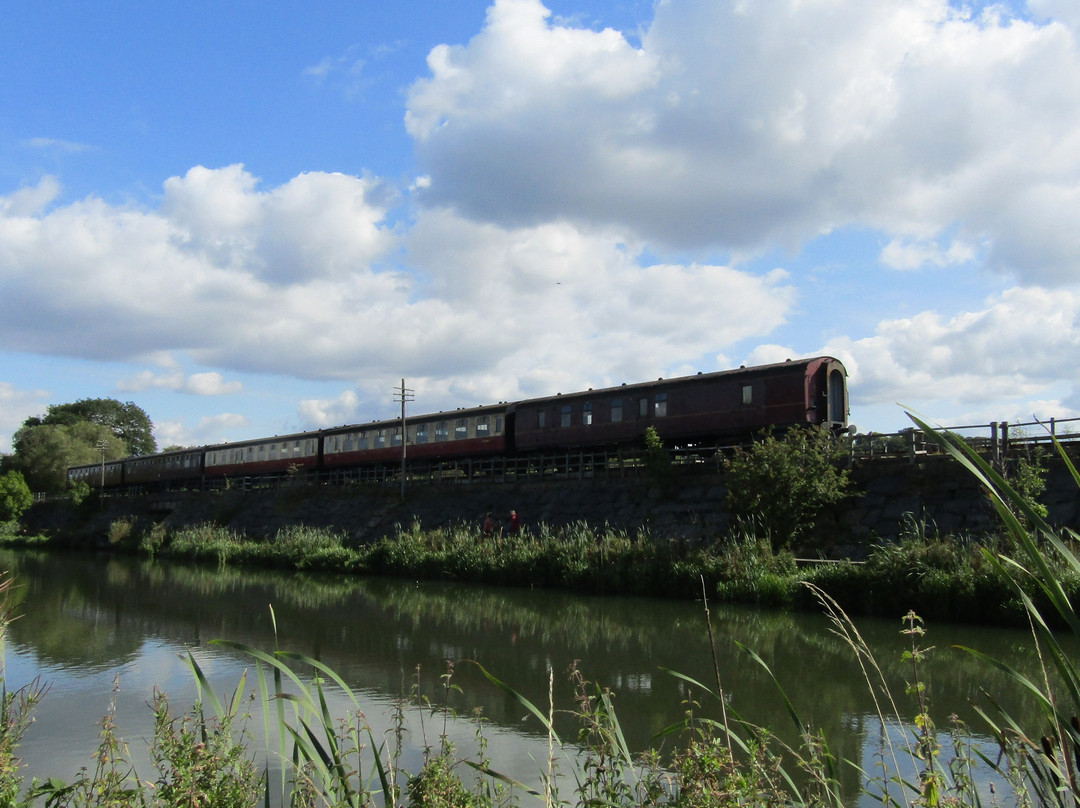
{"x":403,"y":394}
{"x":101,"y":491}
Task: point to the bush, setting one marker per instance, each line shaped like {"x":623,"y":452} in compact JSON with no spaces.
{"x":784,"y":483}
{"x":15,"y":496}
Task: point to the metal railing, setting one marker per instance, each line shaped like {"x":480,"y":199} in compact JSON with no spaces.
{"x":997,"y":439}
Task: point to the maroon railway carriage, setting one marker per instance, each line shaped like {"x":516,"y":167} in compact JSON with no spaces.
{"x":92,"y":476}
{"x":474,"y":432}
{"x":279,"y":454}
{"x":165,"y":469}
{"x":704,"y":407}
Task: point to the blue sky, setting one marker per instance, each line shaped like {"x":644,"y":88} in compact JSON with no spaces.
{"x":255,"y":218}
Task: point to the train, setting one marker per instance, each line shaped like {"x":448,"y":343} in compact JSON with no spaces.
{"x":707,"y":409}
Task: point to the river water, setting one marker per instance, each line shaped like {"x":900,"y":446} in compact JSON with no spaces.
{"x":100,"y":629}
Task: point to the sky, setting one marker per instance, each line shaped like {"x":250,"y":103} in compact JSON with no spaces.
{"x":256,"y":218}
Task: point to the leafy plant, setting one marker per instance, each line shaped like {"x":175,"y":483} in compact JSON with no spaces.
{"x":784,"y":483}
{"x":15,"y":496}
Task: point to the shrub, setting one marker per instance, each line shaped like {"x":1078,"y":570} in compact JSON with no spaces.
{"x":15,"y":496}
{"x":784,"y":483}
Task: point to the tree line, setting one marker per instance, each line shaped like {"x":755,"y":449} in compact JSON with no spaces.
{"x":75,"y":434}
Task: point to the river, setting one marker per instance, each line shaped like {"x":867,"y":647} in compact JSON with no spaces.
{"x":88,"y":622}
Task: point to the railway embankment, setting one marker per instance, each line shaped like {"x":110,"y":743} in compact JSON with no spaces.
{"x":934,"y":495}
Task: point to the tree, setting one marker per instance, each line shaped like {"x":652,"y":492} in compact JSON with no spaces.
{"x":127,"y":421}
{"x":784,"y":483}
{"x":15,"y":496}
{"x":44,"y":452}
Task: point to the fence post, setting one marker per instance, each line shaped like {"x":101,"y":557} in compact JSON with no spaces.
{"x":1004,"y":439}
{"x":995,"y":449}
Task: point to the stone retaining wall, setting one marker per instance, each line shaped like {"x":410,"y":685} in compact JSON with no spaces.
{"x":935,"y":493}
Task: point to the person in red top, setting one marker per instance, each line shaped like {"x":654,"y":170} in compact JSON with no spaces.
{"x":515,"y":523}
{"x":489,"y":525}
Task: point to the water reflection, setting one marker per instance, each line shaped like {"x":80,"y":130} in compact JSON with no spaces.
{"x":86,"y":618}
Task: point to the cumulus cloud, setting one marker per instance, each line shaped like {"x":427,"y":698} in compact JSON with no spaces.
{"x":209,"y":430}
{"x":750,"y":124}
{"x":1021,"y":344}
{"x":15,"y":404}
{"x":209,"y":383}
{"x":330,"y":412}
{"x":287,"y":281}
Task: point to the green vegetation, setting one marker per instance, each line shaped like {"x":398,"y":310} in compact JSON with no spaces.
{"x":784,"y":483}
{"x":941,"y":576}
{"x":657,"y":459}
{"x":15,"y":496}
{"x":72,"y":434}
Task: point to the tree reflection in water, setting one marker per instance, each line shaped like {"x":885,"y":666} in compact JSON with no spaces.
{"x":86,"y":618}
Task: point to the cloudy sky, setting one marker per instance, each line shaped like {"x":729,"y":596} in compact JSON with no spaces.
{"x":252,"y":218}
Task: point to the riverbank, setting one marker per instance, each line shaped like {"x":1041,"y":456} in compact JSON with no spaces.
{"x":937,"y":577}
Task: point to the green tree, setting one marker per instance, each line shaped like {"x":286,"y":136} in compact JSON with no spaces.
{"x":784,"y":483}
{"x":43,"y":452}
{"x":127,"y":421}
{"x":656,"y":457}
{"x":15,"y":496}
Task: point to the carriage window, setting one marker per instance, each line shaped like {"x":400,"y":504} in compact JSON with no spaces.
{"x":380,"y":439}
{"x":586,"y":413}
{"x":498,"y":424}
{"x":661,"y":405}
{"x":747,"y":394}
{"x":461,"y":429}
{"x":616,"y":411}
{"x":541,"y":419}
{"x":395,"y":439}
{"x":483,"y":425}
{"x":565,"y":415}
{"x":441,"y":431}
{"x":421,"y":433}
{"x":643,"y":407}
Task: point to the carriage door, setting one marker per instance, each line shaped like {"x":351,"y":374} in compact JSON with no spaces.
{"x":837,"y":405}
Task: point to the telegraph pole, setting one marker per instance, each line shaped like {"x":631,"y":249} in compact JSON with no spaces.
{"x":403,"y":394}
{"x":101,"y":491}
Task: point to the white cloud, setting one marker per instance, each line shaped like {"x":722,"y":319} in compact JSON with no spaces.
{"x":208,"y":383}
{"x":30,"y":201}
{"x":68,"y":146}
{"x":746,"y":125}
{"x":16,"y":406}
{"x":903,"y":253}
{"x":1022,"y":344}
{"x":210,"y":430}
{"x":330,"y":412}
{"x":502,"y":311}
{"x":211,"y":383}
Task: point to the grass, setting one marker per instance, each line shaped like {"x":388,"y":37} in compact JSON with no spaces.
{"x":939,"y":576}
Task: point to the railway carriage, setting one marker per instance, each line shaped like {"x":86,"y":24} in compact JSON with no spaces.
{"x":92,"y":475}
{"x":705,"y":410}
{"x":474,"y":432}
{"x":277,"y":455}
{"x":704,"y":407}
{"x":179,"y":467}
